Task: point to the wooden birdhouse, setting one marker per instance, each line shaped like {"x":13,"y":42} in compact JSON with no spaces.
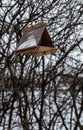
{"x":35,"y":40}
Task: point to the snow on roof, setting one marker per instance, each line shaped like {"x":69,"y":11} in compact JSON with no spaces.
{"x":30,"y":41}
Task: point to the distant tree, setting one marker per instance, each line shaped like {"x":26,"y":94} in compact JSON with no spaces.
{"x":43,"y":93}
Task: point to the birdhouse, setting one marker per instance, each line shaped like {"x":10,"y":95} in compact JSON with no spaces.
{"x":35,"y":40}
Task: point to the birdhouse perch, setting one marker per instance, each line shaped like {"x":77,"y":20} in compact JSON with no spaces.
{"x":35,"y":40}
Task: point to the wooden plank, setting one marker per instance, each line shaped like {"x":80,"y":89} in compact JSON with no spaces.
{"x":44,"y":51}
{"x":37,"y":51}
{"x":27,"y":50}
{"x":29,"y":29}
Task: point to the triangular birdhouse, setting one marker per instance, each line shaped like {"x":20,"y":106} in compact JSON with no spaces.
{"x":36,"y":40}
